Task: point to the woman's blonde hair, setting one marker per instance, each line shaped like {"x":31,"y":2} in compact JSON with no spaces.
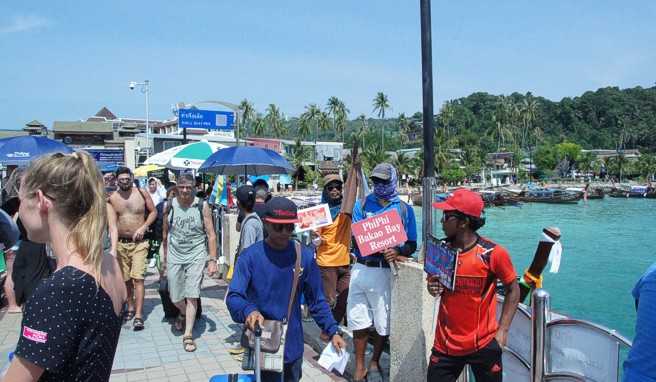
{"x":75,"y":185}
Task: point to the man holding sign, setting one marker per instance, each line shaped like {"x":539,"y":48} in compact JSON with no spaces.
{"x":467,"y":331}
{"x":386,"y":232}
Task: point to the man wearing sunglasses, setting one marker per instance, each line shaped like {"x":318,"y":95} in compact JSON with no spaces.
{"x":370,"y":288}
{"x":467,"y":331}
{"x":262,"y":281}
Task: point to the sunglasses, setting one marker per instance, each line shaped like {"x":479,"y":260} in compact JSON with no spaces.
{"x":448,"y":216}
{"x":379,"y":181}
{"x":335,"y":187}
{"x":282,"y":227}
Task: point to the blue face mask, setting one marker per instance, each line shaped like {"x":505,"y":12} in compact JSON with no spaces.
{"x":387,"y":190}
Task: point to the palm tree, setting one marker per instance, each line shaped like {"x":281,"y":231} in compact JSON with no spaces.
{"x":337,"y":111}
{"x":362,"y":131}
{"x":299,"y":155}
{"x":403,"y":128}
{"x":304,"y":127}
{"x":312,"y":114}
{"x":342,"y":119}
{"x":403,"y":164}
{"x":259,"y":126}
{"x":374,"y":156}
{"x":647,"y":166}
{"x":274,"y":121}
{"x":247,"y":115}
{"x":323,"y":122}
{"x":446,"y":115}
{"x":530,"y":112}
{"x":381,"y":103}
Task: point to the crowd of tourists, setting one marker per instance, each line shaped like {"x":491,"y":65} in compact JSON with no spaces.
{"x":78,"y":246}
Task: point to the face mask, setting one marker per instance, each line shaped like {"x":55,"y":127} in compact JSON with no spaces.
{"x":387,"y":190}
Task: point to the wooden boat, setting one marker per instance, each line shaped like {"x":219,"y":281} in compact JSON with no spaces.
{"x":596,"y":193}
{"x":633,"y":192}
{"x":547,"y":195}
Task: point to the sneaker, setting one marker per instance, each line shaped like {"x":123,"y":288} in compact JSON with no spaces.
{"x":152,"y":263}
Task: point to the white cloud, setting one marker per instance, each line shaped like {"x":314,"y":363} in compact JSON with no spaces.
{"x":22,"y":23}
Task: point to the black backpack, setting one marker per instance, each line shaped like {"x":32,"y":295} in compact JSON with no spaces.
{"x":155,"y":229}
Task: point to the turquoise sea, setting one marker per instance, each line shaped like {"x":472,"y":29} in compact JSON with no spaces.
{"x":607,"y":245}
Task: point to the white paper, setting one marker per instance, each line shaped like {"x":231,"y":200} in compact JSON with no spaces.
{"x":555,"y":254}
{"x":331,"y":360}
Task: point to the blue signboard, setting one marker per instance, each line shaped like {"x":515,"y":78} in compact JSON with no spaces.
{"x":206,"y":119}
{"x":116,"y":156}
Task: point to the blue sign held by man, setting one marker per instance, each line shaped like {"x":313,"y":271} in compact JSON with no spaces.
{"x":206,"y":119}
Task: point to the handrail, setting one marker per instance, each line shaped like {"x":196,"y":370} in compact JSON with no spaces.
{"x":600,"y":328}
{"x":563,"y":374}
{"x":517,"y":356}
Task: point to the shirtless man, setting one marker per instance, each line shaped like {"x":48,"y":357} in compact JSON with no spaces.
{"x":136,"y":212}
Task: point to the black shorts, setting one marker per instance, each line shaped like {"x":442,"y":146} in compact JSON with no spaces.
{"x":485,"y":363}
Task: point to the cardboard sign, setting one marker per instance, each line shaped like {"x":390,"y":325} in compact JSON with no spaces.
{"x":441,"y":261}
{"x":314,"y":217}
{"x":379,"y":232}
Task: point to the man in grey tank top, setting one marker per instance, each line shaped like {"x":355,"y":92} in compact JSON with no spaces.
{"x":188,"y":236}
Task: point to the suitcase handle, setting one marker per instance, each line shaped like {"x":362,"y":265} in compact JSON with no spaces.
{"x":258,"y":330}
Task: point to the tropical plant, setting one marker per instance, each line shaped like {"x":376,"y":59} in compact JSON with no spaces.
{"x":373,"y":156}
{"x":403,"y":128}
{"x":339,"y":114}
{"x":259,"y":126}
{"x":381,"y":104}
{"x":311,"y":115}
{"x":274,"y":121}
{"x":362,"y":130}
{"x":247,"y":115}
{"x":299,"y":155}
{"x":647,"y":166}
{"x":530,"y":114}
{"x":403,"y":164}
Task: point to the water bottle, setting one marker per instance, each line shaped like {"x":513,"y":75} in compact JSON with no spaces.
{"x":5,"y":368}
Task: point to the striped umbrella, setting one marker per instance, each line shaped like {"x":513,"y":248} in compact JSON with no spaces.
{"x":189,"y":156}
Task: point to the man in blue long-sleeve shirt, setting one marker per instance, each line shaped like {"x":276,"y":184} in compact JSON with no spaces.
{"x":262,"y":283}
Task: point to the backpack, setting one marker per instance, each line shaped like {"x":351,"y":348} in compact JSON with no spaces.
{"x":155,"y":230}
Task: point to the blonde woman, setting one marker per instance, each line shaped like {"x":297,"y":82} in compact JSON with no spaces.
{"x":72,"y":322}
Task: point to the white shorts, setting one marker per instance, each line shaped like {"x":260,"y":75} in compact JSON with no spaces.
{"x":369,"y":299}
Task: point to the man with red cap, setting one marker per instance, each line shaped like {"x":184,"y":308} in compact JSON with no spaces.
{"x":467,"y":331}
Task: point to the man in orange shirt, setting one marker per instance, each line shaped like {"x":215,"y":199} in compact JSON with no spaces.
{"x":333,"y":251}
{"x":467,"y":331}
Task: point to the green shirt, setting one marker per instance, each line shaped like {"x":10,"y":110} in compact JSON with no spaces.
{"x":187,"y":240}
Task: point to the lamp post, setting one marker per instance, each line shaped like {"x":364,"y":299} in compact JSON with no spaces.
{"x":144,"y":87}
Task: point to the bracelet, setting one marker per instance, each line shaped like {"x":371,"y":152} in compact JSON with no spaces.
{"x":212,"y":259}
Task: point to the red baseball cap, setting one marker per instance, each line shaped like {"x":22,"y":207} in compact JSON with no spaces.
{"x":462,"y":200}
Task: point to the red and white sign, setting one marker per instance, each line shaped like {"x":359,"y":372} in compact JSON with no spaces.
{"x":379,"y":232}
{"x":314,"y":218}
{"x":35,"y":335}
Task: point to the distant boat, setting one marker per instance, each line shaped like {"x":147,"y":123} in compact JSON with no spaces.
{"x":548,"y":195}
{"x":633,"y":192}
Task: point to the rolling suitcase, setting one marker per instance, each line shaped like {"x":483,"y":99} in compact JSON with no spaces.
{"x":170,"y":310}
{"x":245,"y":377}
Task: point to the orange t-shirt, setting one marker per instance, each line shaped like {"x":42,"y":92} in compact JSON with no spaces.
{"x":335,"y":243}
{"x":467,"y":320}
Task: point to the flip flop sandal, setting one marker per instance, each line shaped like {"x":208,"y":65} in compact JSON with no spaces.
{"x":129,"y":315}
{"x":138,"y":324}
{"x":188,"y":344}
{"x":179,"y":323}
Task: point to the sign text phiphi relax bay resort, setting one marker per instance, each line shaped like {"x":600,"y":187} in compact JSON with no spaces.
{"x":379,"y":232}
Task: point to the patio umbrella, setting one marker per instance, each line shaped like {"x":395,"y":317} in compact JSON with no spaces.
{"x":20,"y":151}
{"x":143,"y":171}
{"x":246,"y":160}
{"x":189,"y":156}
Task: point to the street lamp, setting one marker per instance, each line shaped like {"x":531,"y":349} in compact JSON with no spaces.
{"x":144,"y":87}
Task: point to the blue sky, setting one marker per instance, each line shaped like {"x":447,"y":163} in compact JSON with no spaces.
{"x":64,"y":60}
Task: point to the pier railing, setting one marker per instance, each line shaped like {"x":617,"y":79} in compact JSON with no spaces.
{"x":563,"y":349}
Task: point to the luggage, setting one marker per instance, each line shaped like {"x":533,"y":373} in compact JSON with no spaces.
{"x":170,"y":310}
{"x":247,"y":377}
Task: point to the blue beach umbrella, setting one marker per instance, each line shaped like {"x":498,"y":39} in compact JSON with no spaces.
{"x":20,"y":151}
{"x":246,"y":160}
